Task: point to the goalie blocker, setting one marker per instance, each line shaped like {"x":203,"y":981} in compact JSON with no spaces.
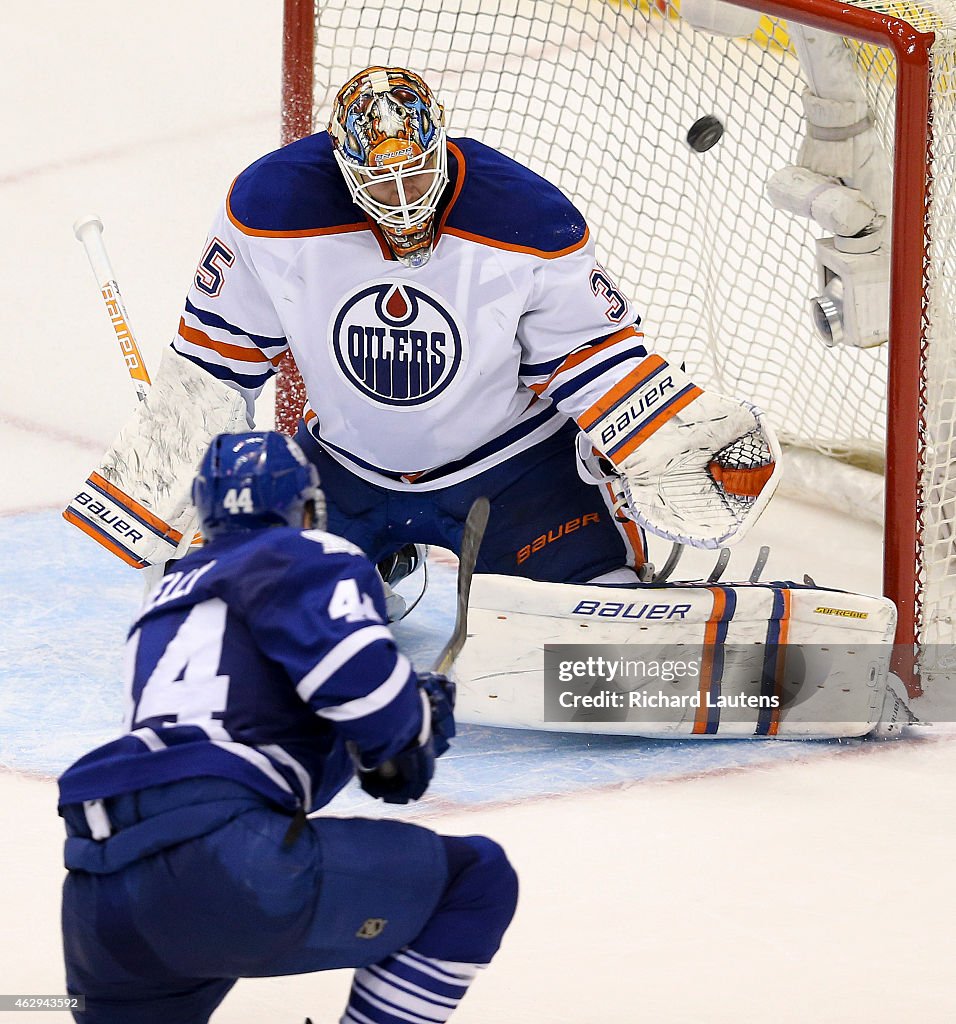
{"x":775,"y":660}
{"x":136,"y":502}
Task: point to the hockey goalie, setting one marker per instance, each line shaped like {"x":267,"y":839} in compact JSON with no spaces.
{"x":457,"y":337}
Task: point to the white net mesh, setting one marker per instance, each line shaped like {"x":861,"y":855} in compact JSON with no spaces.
{"x":598,"y":97}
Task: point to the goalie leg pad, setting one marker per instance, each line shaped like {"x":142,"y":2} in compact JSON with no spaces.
{"x":136,"y":502}
{"x":776,"y":660}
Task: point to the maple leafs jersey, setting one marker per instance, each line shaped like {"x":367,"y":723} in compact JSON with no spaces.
{"x":257,"y":660}
{"x":422,"y":376}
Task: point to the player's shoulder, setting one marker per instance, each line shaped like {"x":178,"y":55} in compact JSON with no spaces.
{"x":296,"y":559}
{"x":500,"y":201}
{"x":243,"y":567}
{"x":282,"y":570}
{"x":345,"y":552}
{"x":261,"y":551}
{"x":292,"y":191}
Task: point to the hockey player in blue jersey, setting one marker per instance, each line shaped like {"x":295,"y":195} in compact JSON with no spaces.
{"x":260,"y":675}
{"x":457,"y":336}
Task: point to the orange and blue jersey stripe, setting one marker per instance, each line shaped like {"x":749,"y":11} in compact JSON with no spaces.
{"x":226,"y":351}
{"x":516,"y":435}
{"x":569,"y":374}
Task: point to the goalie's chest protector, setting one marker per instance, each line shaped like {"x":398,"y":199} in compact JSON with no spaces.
{"x":424,"y":364}
{"x":406,"y":370}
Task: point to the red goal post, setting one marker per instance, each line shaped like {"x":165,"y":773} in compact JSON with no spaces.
{"x":517,"y":78}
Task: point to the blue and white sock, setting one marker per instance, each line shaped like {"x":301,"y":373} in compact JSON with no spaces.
{"x":408,"y":988}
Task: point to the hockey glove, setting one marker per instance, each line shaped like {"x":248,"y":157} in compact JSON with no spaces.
{"x":402,"y":778}
{"x":691,"y":466}
{"x":440,"y":691}
{"x":136,"y":502}
{"x":405,"y":776}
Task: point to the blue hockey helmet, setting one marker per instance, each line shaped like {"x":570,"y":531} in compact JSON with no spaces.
{"x":253,"y":480}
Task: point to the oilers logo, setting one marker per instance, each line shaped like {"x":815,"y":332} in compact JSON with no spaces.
{"x":397,"y":344}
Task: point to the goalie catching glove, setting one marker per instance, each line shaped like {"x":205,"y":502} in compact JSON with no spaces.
{"x":688,"y":465}
{"x":405,"y":776}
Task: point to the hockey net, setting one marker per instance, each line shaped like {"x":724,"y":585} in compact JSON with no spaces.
{"x":598,"y":97}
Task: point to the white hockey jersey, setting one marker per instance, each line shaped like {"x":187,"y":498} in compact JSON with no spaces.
{"x":415,"y":378}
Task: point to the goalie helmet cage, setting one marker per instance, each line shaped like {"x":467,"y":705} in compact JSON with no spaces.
{"x":598,"y":97}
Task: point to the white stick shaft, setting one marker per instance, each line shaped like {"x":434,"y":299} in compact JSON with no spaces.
{"x":89,"y":230}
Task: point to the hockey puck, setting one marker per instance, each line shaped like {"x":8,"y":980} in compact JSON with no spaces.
{"x":704,"y":133}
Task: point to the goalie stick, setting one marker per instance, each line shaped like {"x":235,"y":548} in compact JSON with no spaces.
{"x":89,"y":231}
{"x":471,"y":537}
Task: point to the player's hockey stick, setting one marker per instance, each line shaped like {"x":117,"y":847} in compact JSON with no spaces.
{"x":471,"y":536}
{"x":89,"y":230}
{"x":470,"y":542}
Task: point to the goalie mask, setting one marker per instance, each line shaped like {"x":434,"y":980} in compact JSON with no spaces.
{"x":255,"y":480}
{"x":388,"y":137}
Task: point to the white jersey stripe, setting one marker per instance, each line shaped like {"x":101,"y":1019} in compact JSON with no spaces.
{"x":376,"y":700}
{"x":284,"y":757}
{"x":385,"y":993}
{"x":222,"y":739}
{"x":449,"y":971}
{"x":339,"y":656}
{"x":256,"y":759}
{"x":352,"y":1016}
{"x":150,"y":738}
{"x":378,"y":978}
{"x":129,"y":671}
